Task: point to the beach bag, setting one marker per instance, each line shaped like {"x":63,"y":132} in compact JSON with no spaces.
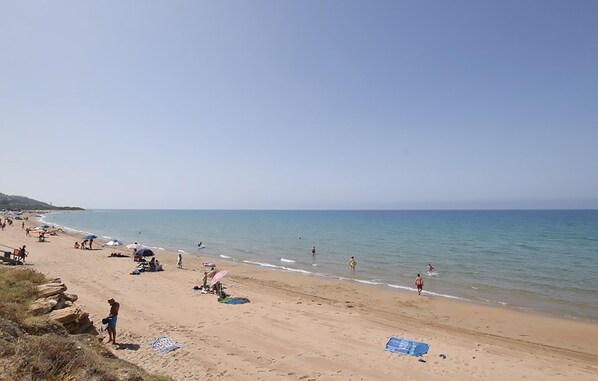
{"x":105,"y":320}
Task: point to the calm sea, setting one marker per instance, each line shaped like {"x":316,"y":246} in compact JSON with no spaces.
{"x":544,"y":261}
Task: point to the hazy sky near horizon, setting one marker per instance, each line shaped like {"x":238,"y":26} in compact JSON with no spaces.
{"x":300,"y":104}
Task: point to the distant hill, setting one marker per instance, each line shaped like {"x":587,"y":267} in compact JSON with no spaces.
{"x":26,"y":203}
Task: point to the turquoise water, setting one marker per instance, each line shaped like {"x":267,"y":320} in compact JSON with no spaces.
{"x":544,"y":261}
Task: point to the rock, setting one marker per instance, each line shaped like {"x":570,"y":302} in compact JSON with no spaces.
{"x":85,"y":325}
{"x":72,"y":327}
{"x":92,"y":330}
{"x":42,"y":306}
{"x":71,"y":297}
{"x":46,"y":290}
{"x":65,"y":315}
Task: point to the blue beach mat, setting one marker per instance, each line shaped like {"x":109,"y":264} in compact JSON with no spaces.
{"x":230,"y":300}
{"x":164,"y":344}
{"x":406,"y":347}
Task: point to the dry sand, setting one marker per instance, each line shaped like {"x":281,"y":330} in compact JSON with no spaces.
{"x":304,"y":327}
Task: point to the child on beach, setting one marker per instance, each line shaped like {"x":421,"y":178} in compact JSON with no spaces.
{"x":76,"y":246}
{"x":352,"y":263}
{"x":205,"y":280}
{"x":179,"y":262}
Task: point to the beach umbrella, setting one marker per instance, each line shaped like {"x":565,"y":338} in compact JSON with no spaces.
{"x":219,"y":275}
{"x":145,"y":252}
{"x":134,"y":246}
{"x":114,"y":242}
{"x":90,"y":236}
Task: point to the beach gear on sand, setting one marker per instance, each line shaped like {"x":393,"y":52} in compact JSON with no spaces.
{"x":164,"y":344}
{"x":406,"y":347}
{"x":219,"y":275}
{"x":231,"y":300}
{"x":145,"y":252}
{"x":114,"y":242}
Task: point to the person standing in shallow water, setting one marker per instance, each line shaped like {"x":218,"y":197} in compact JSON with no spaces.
{"x":352,"y":263}
{"x":419,"y":283}
{"x":313,"y":250}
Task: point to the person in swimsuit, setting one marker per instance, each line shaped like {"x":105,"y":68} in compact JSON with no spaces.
{"x":419,"y":283}
{"x":205,"y":280}
{"x":313,"y":250}
{"x":112,"y":317}
{"x":352,"y":263}
{"x":430,"y":268}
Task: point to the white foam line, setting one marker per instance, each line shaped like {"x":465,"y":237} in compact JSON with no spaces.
{"x":426,"y":292}
{"x":287,"y":260}
{"x":183,"y":251}
{"x":263,"y":264}
{"x":368,"y":282}
{"x":224,"y":256}
{"x":296,"y":270}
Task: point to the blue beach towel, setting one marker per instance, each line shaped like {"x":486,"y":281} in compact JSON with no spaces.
{"x":164,"y":344}
{"x":230,"y":300}
{"x":406,"y":347}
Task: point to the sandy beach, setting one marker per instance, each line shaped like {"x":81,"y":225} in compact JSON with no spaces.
{"x":304,"y":327}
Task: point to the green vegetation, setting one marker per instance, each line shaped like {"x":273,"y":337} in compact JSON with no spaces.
{"x":35,"y":348}
{"x":25,"y":203}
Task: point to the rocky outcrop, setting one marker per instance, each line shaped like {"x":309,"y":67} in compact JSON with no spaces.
{"x":60,"y":306}
{"x":50,"y":289}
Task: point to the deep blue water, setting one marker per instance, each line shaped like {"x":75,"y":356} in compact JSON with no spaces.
{"x":545,"y":261}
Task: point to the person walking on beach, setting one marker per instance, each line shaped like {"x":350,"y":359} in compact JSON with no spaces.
{"x":27,"y":231}
{"x":352,"y":263}
{"x":90,"y":243}
{"x":419,"y":283}
{"x":179,"y":262}
{"x":22,"y":254}
{"x":112,"y":318}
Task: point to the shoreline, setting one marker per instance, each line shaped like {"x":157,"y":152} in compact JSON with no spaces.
{"x":380,"y":285}
{"x":299,"y":327}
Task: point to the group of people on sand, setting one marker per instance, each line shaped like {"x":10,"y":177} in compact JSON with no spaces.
{"x":216,"y":288}
{"x":84,"y":244}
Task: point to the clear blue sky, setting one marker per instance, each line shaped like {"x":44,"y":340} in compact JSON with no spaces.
{"x":300,"y":104}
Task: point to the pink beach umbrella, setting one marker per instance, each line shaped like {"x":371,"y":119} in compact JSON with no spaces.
{"x":219,"y":275}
